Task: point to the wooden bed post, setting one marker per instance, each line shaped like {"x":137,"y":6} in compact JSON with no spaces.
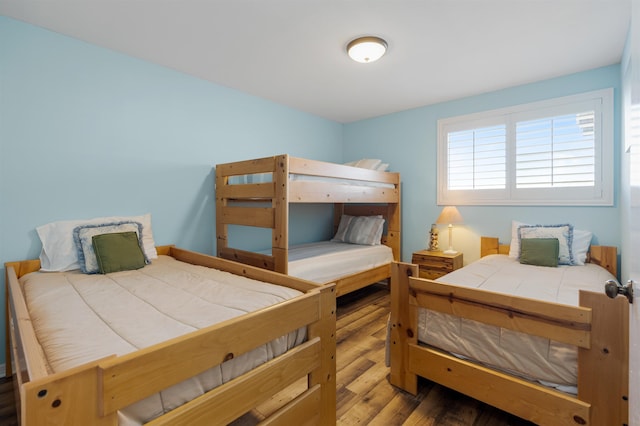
{"x":222,"y":229}
{"x":404,"y":327}
{"x":70,"y":397}
{"x":394,"y":227}
{"x":8,"y":372}
{"x":280,"y":205}
{"x":325,"y":375}
{"x":603,"y":378}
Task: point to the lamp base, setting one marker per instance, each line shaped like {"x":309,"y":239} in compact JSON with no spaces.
{"x":450,"y":251}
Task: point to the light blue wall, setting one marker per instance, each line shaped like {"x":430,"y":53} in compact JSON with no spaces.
{"x":87,"y":132}
{"x":407,"y":140}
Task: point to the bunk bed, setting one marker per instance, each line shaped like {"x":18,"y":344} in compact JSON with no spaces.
{"x":100,"y":391}
{"x":259,"y":193}
{"x":595,"y":330}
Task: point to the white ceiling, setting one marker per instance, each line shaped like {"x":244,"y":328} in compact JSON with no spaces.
{"x":293,"y":51}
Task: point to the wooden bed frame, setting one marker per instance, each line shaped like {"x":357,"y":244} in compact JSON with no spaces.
{"x":266,"y":205}
{"x":599,"y":327}
{"x":92,"y":393}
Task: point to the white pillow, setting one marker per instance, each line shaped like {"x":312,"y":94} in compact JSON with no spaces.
{"x":514,"y":246}
{"x":365,"y":230}
{"x":83,"y":239}
{"x":365,"y":163}
{"x":580,"y":246}
{"x":383,"y":167}
{"x":564,"y":234}
{"x":59,"y":251}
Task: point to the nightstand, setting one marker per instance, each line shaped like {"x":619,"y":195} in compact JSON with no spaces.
{"x":434,"y":264}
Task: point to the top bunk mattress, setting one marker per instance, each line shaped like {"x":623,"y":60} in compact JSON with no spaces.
{"x":325,"y":261}
{"x":549,"y":362}
{"x":267,"y":177}
{"x":79,"y":318}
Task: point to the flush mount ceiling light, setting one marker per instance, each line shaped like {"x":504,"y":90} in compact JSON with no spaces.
{"x":366,"y":49}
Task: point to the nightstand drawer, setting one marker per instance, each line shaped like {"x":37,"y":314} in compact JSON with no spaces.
{"x":430,"y":274}
{"x":446,"y":264}
{"x":434,"y":264}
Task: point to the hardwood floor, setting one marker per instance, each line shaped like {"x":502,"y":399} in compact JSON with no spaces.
{"x":364,"y":395}
{"x":7,"y":403}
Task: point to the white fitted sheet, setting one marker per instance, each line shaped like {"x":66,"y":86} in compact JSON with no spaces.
{"x":326,"y":261}
{"x":535,"y":358}
{"x":267,"y":177}
{"x":79,"y":318}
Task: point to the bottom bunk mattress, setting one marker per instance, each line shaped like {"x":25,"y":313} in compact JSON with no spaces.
{"x":535,"y":358}
{"x":325,"y":261}
{"x":79,"y":318}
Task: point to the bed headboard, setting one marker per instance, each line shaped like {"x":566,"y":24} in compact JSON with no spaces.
{"x":604,"y":256}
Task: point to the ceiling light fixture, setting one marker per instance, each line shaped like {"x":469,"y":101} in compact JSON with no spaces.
{"x":366,"y":49}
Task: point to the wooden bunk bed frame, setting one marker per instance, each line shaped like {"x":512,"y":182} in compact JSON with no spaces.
{"x":92,"y":393}
{"x":233,"y":207}
{"x":599,"y":327}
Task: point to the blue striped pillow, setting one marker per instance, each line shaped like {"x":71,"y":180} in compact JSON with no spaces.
{"x":364,"y":230}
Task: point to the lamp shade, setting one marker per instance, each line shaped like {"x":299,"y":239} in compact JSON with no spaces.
{"x":449,"y":215}
{"x":366,"y":49}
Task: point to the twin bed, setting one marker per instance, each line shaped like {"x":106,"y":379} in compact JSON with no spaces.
{"x":187,"y":339}
{"x":259,"y":193}
{"x":542,"y":343}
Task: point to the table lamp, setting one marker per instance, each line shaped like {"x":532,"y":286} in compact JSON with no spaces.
{"x":449,"y":216}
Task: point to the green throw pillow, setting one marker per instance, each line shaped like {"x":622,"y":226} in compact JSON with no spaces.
{"x":119,"y":251}
{"x":539,"y":251}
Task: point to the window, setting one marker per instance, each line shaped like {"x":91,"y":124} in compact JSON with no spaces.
{"x":556,"y":152}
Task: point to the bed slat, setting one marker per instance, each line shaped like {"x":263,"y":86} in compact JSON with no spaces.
{"x":304,"y":412}
{"x":249,"y":190}
{"x":361,"y":279}
{"x":259,"y":165}
{"x":248,"y":216}
{"x":305,"y":166}
{"x":563,"y":323}
{"x":232,"y":399}
{"x":524,"y":399}
{"x":319,"y":192}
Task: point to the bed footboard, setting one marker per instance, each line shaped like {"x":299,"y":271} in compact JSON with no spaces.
{"x":94,"y":392}
{"x":602,"y":358}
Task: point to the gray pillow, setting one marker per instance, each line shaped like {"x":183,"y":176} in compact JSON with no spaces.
{"x":365,"y":230}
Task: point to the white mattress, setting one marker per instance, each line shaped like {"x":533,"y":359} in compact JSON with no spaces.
{"x":326,"y":261}
{"x":267,"y":177}
{"x":80,"y":317}
{"x":535,"y":358}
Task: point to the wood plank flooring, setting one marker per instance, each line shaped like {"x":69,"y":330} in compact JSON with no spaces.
{"x":365,"y":396}
{"x":7,"y":403}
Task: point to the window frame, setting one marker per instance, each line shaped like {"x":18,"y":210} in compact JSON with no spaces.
{"x":602,"y":194}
